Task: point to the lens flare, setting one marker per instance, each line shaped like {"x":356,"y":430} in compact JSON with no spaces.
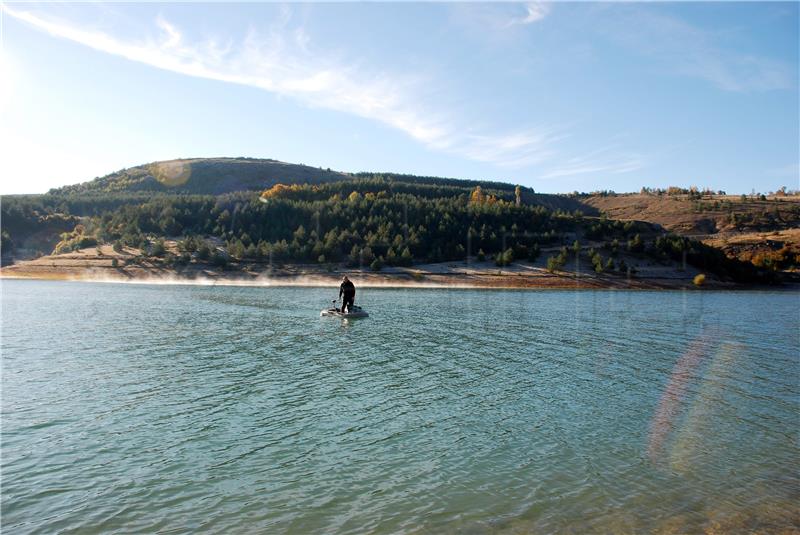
{"x":172,"y":174}
{"x":670,"y":404}
{"x":698,"y":435}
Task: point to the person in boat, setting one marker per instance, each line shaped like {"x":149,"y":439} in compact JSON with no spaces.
{"x":347,"y":291}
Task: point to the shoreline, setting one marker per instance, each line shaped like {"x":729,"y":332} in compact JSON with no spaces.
{"x":433,"y":276}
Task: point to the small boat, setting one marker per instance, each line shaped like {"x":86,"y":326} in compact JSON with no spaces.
{"x":352,"y":312}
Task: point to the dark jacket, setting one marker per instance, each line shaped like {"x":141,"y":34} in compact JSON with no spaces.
{"x":347,"y":289}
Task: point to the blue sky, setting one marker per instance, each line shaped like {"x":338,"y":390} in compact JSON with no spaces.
{"x":555,"y":96}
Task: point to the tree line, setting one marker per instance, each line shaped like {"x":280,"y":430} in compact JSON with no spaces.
{"x":367,"y":221}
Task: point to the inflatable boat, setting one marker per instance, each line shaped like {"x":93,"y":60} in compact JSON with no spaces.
{"x":352,"y":312}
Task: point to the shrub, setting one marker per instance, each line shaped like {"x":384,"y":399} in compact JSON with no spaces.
{"x":219,"y":259}
{"x":636,"y":245}
{"x":236,"y":249}
{"x":504,"y":258}
{"x":203,"y":251}
{"x":554,"y":263}
{"x":74,"y":241}
{"x":597,"y":262}
{"x":158,"y":248}
{"x":188,"y":245}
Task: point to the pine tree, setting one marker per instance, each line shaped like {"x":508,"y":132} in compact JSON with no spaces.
{"x":405,"y":257}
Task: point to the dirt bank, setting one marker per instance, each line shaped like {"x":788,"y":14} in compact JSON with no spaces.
{"x":107,"y":265}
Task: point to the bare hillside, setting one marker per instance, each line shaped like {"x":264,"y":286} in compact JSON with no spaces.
{"x":764,"y":231}
{"x":710,"y":214}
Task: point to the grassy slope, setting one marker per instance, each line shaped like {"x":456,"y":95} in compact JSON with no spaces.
{"x":742,"y":228}
{"x":709,"y":215}
{"x":205,"y":176}
{"x":214,"y":176}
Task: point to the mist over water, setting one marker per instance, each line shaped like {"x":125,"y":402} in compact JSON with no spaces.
{"x":238,"y":410}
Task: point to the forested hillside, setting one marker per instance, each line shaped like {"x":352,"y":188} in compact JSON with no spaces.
{"x":32,"y":224}
{"x":327,"y":218}
{"x":429,"y":219}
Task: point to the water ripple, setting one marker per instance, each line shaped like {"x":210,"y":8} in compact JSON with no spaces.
{"x":238,"y":410}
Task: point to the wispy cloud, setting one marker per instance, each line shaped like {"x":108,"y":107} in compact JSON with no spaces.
{"x":535,"y":11}
{"x":679,"y":48}
{"x":282,"y":61}
{"x":500,"y":22}
{"x":517,"y":149}
{"x":608,"y":160}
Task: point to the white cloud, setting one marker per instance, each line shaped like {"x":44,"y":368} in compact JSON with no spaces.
{"x":496,"y":22}
{"x":535,"y":11}
{"x":608,"y":160}
{"x":518,"y":149}
{"x":282,"y":62}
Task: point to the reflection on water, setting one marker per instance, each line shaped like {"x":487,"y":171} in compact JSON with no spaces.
{"x":158,"y":408}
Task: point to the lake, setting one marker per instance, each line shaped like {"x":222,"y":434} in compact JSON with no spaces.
{"x":145,"y":408}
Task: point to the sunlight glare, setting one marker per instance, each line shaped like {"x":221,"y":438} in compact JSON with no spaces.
{"x":7,"y":76}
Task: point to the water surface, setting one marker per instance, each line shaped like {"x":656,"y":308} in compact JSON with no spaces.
{"x":237,"y":410}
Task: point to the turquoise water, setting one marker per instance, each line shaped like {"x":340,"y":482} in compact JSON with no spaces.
{"x":176,"y":409}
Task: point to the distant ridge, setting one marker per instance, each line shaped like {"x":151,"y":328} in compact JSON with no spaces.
{"x":210,"y":176}
{"x":217,"y":176}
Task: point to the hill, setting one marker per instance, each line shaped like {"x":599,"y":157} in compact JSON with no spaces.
{"x":760,"y":229}
{"x":702,"y":214}
{"x":33,"y":224}
{"x":274,"y":212}
{"x":218,"y":176}
{"x":207,"y":176}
